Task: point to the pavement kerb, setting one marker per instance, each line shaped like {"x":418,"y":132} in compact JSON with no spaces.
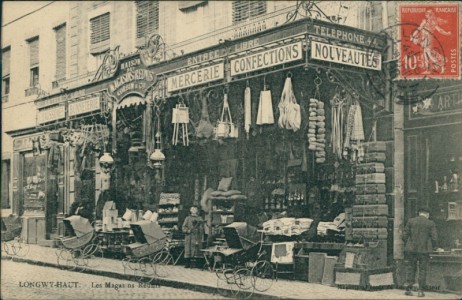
{"x":116,"y":275}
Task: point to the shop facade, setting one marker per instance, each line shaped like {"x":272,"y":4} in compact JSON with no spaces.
{"x":432,"y":132}
{"x":286,"y":113}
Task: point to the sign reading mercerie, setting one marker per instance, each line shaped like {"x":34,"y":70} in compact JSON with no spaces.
{"x":346,"y":56}
{"x":267,"y":58}
{"x":84,"y":106}
{"x":196,"y":77}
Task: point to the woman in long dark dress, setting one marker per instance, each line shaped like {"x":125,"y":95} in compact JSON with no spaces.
{"x":193,"y":227}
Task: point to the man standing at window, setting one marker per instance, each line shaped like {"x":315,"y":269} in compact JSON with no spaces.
{"x":419,"y":236}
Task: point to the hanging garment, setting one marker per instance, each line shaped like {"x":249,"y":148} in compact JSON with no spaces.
{"x":225,"y":127}
{"x":205,"y":128}
{"x":265,"y":109}
{"x":248,"y":110}
{"x":357,"y":133}
{"x":337,"y":126}
{"x":289,"y":110}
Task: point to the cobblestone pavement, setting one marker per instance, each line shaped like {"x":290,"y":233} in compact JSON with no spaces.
{"x":62,"y":284}
{"x":206,"y":281}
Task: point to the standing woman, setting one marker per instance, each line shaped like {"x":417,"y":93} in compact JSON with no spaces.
{"x":193,"y":228}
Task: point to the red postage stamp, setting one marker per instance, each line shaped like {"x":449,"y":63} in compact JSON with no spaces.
{"x":430,"y":40}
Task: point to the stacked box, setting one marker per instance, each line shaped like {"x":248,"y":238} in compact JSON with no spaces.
{"x":368,"y":220}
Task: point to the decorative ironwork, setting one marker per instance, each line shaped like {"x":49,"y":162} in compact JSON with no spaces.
{"x":109,"y":65}
{"x":306,"y":9}
{"x":155,"y":50}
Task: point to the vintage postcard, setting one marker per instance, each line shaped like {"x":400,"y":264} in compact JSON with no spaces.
{"x":231,"y":149}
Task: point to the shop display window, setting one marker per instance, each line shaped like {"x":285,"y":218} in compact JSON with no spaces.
{"x":34,"y":182}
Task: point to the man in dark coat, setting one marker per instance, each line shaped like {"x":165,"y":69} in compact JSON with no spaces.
{"x":420,"y":236}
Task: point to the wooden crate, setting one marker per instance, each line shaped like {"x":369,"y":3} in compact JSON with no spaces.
{"x":370,"y":178}
{"x":370,"y":189}
{"x":301,"y":263}
{"x":370,"y":210}
{"x":364,"y":279}
{"x":371,"y":199}
{"x":370,"y":168}
{"x":316,"y":267}
{"x":328,"y":274}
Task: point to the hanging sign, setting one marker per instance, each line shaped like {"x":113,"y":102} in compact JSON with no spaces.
{"x":346,"y":56}
{"x":442,"y":102}
{"x":196,"y":77}
{"x":267,"y":58}
{"x":84,"y":106}
{"x":133,"y":78}
{"x":51,"y":114}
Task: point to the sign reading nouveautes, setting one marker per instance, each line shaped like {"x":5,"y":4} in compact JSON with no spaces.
{"x":196,"y":77}
{"x":267,"y":58}
{"x":346,"y":56}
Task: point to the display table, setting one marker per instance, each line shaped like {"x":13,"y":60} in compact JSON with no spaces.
{"x":114,"y":242}
{"x":442,"y":265}
{"x":217,"y":254}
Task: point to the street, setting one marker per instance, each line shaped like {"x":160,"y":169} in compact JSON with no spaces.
{"x":52,"y":283}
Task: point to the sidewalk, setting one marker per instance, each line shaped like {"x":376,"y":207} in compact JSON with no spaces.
{"x":205,"y":281}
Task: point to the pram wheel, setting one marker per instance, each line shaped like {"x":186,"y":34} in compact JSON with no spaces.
{"x":263,"y":275}
{"x":163,"y":257}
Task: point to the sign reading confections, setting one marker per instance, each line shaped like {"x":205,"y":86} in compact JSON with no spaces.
{"x":51,"y":114}
{"x":346,"y":56}
{"x":196,"y":77}
{"x":133,"y":78}
{"x":267,"y":58}
{"x":84,"y":106}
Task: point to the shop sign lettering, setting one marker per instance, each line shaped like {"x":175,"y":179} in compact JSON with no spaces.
{"x":440,"y":103}
{"x":24,"y":143}
{"x":347,"y":35}
{"x":267,"y":58}
{"x":61,"y":98}
{"x":196,"y":77}
{"x":346,"y":56}
{"x":134,"y":79}
{"x":84,"y":106}
{"x":51,"y":114}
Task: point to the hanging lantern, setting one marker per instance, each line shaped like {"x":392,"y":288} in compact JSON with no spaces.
{"x":106,"y":162}
{"x":157,"y":157}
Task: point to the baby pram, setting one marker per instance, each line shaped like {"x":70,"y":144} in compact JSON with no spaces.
{"x":12,"y":242}
{"x":79,"y":244}
{"x":149,"y":240}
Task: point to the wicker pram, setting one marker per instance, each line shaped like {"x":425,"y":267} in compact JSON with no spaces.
{"x":11,"y":228}
{"x":80,"y":232}
{"x":149,"y":239}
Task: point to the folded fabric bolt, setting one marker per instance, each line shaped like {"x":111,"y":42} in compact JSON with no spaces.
{"x":320,"y":104}
{"x":321,"y":145}
{"x":312,"y":114}
{"x":312,"y":135}
{"x":311,"y":130}
{"x":322,"y":141}
{"x":320,"y":136}
{"x":312,"y":147}
{"x":320,"y":112}
{"x":321,"y":124}
{"x":321,"y":130}
{"x":312,"y":125}
{"x":321,"y":118}
{"x":313,"y":100}
{"x":320,"y":154}
{"x":313,"y":118}
{"x":320,"y":160}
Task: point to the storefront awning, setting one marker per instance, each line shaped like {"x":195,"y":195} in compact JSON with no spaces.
{"x":131,"y":101}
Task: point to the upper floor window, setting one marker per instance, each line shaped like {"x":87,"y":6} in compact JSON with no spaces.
{"x":34,"y":61}
{"x":6,"y":55}
{"x":147,"y":18}
{"x":244,"y":10}
{"x":100,"y":33}
{"x":60,"y":34}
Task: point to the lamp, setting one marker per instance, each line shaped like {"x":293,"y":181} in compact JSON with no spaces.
{"x":157,"y":157}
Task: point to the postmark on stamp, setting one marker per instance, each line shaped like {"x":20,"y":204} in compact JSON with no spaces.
{"x":430,"y":48}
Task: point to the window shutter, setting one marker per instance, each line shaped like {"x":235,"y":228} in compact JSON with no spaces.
{"x":6,"y":55}
{"x":34,"y":51}
{"x":61,"y":52}
{"x":147,"y":18}
{"x":243,"y":10}
{"x":100,"y":31}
